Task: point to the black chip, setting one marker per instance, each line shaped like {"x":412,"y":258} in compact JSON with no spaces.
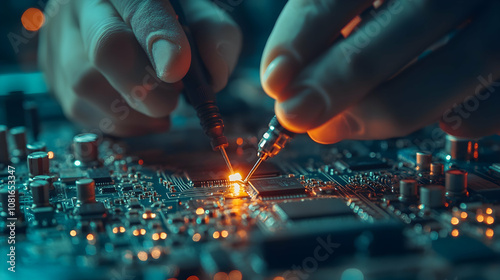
{"x":100,"y":176}
{"x":364,"y":163}
{"x":275,"y":187}
{"x":309,"y":209}
{"x":127,"y":188}
{"x":108,"y":190}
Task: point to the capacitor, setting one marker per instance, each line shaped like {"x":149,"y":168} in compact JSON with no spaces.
{"x":424,"y":160}
{"x":432,"y":196}
{"x":36,"y":147}
{"x":40,"y":193}
{"x":4,"y":147}
{"x":85,"y":190}
{"x":408,"y":190}
{"x":85,"y":147}
{"x":38,"y":163}
{"x":19,"y":135}
{"x":437,"y":169}
{"x":456,"y":182}
{"x":461,"y":148}
{"x":49,"y":179}
{"x":32,"y":118}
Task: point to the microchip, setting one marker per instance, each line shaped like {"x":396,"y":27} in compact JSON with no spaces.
{"x":276,"y":187}
{"x":108,"y":190}
{"x":100,"y":176}
{"x":310,"y":209}
{"x":127,"y":187}
{"x":363,"y":163}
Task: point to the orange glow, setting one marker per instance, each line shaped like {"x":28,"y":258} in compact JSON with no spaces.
{"x":192,"y":277}
{"x":489,"y":211}
{"x":476,"y":152}
{"x":50,"y":154}
{"x":196,"y":237}
{"x":224,"y":233}
{"x":463,"y":215}
{"x":480,"y":218}
{"x":90,"y":237}
{"x":143,"y":231}
{"x":239,"y":141}
{"x":350,"y":26}
{"x":72,"y":232}
{"x":143,"y":256}
{"x":141,"y":162}
{"x":490,"y":233}
{"x":115,"y":230}
{"x":216,"y":235}
{"x":235,"y":177}
{"x":221,"y":276}
{"x":235,"y":275}
{"x":454,"y":221}
{"x":278,"y":278}
{"x":200,"y":211}
{"x":454,"y":233}
{"x":33,"y":19}
{"x":122,"y":229}
{"x":163,"y":235}
{"x":156,"y":236}
{"x":490,"y":220}
{"x":135,"y":232}
{"x":155,"y":253}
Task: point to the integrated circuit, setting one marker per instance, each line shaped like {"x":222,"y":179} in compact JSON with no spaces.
{"x":361,"y":163}
{"x":276,"y":187}
{"x":310,"y":209}
{"x":100,"y":176}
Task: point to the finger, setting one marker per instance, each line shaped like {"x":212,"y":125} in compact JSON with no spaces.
{"x":218,"y":39}
{"x":389,"y":39}
{"x":112,"y":48}
{"x":422,"y":93}
{"x":303,"y":30}
{"x":477,"y":115}
{"x":154,"y":24}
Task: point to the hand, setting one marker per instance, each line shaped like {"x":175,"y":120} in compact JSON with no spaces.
{"x":117,"y":64}
{"x":371,"y":85}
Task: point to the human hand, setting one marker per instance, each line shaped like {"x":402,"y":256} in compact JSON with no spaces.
{"x":117,"y":64}
{"x":363,"y":86}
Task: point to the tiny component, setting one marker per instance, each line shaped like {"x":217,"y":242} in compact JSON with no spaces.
{"x":70,"y":175}
{"x":432,"y":196}
{"x":362,"y":163}
{"x":456,"y":182}
{"x":310,"y":209}
{"x":437,"y":169}
{"x":36,"y":147}
{"x":408,"y":190}
{"x":85,"y":148}
{"x":38,"y":163}
{"x":424,"y":160}
{"x":108,"y":190}
{"x":100,"y":176}
{"x":276,"y":187}
{"x":40,"y":193}
{"x":19,"y":136}
{"x":127,"y":187}
{"x":85,"y":189}
{"x":47,"y":178}
{"x":461,"y":148}
{"x":4,"y":147}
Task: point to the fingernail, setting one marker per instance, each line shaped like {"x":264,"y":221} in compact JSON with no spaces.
{"x":341,"y":127}
{"x":279,"y":73}
{"x":304,"y":111}
{"x":164,"y":53}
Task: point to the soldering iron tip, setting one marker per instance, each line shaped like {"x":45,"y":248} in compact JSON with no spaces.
{"x":226,"y":159}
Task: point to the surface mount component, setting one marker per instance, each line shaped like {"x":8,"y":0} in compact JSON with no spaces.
{"x":309,"y":209}
{"x":276,"y":187}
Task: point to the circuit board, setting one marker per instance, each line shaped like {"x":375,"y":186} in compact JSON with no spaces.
{"x":354,"y":210}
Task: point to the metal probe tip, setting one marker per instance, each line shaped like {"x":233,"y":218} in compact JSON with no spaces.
{"x":226,"y":159}
{"x":254,"y":168}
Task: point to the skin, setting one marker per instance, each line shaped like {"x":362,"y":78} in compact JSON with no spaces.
{"x":110,"y":68}
{"x":376,"y":83}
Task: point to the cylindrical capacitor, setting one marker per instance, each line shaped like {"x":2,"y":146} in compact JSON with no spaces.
{"x":85,"y":147}
{"x":40,"y":192}
{"x":11,"y":204}
{"x":424,"y":160}
{"x":85,"y":189}
{"x":408,"y":190}
{"x":36,"y":147}
{"x":38,"y":163}
{"x":461,"y":148}
{"x":456,"y":182}
{"x":32,"y":118}
{"x":47,"y":178}
{"x":4,"y":147}
{"x":432,"y":196}
{"x":19,"y":136}
{"x":437,"y":169}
